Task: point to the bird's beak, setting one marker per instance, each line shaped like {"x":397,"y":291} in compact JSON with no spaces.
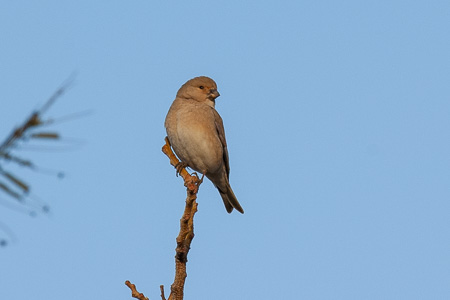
{"x":213,"y":94}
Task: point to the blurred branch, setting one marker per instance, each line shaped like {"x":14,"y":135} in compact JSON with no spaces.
{"x":35,"y":119}
{"x":186,"y":233}
{"x":14,"y":187}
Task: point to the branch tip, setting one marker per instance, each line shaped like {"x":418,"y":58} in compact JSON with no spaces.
{"x":163,"y":297}
{"x":134,"y":292}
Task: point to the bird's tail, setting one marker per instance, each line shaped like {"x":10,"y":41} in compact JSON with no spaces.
{"x":230,"y":201}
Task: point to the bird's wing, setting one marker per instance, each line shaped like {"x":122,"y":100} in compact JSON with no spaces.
{"x":221,"y":132}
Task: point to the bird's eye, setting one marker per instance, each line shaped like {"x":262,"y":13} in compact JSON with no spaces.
{"x":201,"y":87}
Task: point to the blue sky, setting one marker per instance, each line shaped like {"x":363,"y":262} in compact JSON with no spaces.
{"x":337,"y":122}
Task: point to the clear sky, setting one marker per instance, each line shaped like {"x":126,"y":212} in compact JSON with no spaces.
{"x":337,"y":115}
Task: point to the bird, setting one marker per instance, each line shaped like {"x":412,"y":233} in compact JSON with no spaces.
{"x":195,"y":131}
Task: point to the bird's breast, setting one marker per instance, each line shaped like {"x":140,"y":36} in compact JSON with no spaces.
{"x":195,"y":139}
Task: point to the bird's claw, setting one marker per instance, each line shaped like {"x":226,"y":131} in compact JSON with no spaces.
{"x":200,"y":180}
{"x":180,"y":166}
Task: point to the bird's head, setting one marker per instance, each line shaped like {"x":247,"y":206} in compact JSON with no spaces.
{"x":201,"y":89}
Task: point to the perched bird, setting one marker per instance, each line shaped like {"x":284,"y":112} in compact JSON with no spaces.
{"x":196,"y":132}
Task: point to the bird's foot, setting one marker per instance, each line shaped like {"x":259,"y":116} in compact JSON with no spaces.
{"x":180,"y":166}
{"x":200,"y":180}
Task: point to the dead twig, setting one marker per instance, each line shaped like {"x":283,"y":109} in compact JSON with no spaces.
{"x":163,"y":297}
{"x":186,"y":233}
{"x":134,"y":292}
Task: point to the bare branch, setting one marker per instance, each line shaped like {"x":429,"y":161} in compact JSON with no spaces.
{"x":134,"y":292}
{"x":185,"y":235}
{"x":163,"y":297}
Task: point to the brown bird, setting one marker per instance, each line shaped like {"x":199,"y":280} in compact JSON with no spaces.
{"x":196,"y":132}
